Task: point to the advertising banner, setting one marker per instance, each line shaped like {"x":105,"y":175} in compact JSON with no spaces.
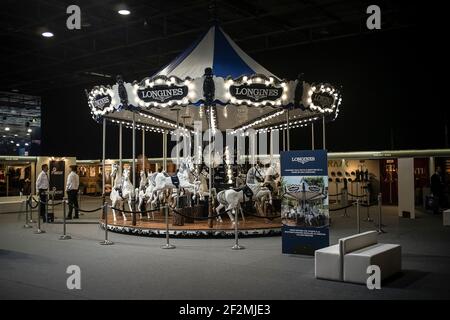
{"x":57,"y":169}
{"x":304,"y":206}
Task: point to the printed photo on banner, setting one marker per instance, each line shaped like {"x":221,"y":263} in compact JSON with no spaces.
{"x":304,"y":204}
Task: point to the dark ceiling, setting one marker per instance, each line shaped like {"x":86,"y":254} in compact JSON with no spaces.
{"x":139,"y":44}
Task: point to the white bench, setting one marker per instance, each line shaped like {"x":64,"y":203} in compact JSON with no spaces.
{"x":328,"y":263}
{"x":446,"y":217}
{"x":348,"y":260}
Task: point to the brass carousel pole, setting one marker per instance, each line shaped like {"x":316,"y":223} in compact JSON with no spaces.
{"x":120,"y":148}
{"x":134,"y":168}
{"x":209,"y":94}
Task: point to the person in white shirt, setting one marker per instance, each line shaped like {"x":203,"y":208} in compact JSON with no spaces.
{"x":42,"y":185}
{"x":73,"y":182}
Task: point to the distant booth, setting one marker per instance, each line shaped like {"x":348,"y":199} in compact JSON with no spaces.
{"x":209,"y":88}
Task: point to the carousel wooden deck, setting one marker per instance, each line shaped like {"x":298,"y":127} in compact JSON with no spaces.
{"x":253,"y":226}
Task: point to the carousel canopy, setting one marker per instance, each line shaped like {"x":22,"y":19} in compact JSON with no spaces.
{"x":243,"y":94}
{"x":215,"y":50}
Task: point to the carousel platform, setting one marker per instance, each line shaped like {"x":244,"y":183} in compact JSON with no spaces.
{"x":252,"y":227}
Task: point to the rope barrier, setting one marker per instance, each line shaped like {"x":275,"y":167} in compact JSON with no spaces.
{"x":368,"y":205}
{"x":337,"y":209}
{"x":334,"y":195}
{"x":146,"y":211}
{"x":86,"y":211}
{"x":31,"y":205}
{"x":356,"y":196}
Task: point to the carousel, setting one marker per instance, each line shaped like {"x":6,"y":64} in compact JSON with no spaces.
{"x":219,"y":106}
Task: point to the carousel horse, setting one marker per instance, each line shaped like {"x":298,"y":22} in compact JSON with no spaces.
{"x":146,"y":192}
{"x":203,"y":178}
{"x":181,"y":180}
{"x":188,"y":181}
{"x":122,"y":191}
{"x":142,"y":180}
{"x":231,"y":200}
{"x":271,"y":178}
{"x":261,"y":190}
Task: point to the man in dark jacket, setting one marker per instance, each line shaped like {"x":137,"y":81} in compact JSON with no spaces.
{"x":437,"y":189}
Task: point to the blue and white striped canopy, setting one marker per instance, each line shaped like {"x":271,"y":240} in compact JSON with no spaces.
{"x":215,"y":50}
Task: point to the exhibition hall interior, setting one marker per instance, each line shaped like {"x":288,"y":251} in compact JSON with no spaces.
{"x":222,"y":150}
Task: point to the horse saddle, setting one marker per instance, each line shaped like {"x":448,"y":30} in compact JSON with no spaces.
{"x":119,"y":190}
{"x":246,"y":190}
{"x":175,"y":181}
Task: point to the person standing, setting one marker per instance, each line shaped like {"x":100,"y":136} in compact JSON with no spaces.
{"x":72,"y":185}
{"x":42,"y":185}
{"x":437,"y":189}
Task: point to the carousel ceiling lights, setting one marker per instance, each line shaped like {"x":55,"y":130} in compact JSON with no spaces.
{"x":124,"y":12}
{"x":292,"y":125}
{"x":257,"y":122}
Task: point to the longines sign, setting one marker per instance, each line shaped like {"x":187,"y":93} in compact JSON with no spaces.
{"x":162,"y":93}
{"x":101,"y":102}
{"x":322,"y":99}
{"x":255,"y":92}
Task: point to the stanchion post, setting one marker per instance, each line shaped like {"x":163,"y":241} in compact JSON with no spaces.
{"x":47,"y":198}
{"x":358,"y":222}
{"x":236,"y":233}
{"x":167,"y":245}
{"x":380,"y":225}
{"x":368,"y":219}
{"x":64,"y":236}
{"x":39,"y":231}
{"x":26,"y":225}
{"x":106,"y":242}
{"x":30,"y":199}
{"x":53,"y":203}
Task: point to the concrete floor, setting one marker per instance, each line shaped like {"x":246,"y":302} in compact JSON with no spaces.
{"x":34,"y":266}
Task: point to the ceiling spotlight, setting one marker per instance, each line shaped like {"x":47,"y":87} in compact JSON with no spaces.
{"x":18,"y":145}
{"x":47,"y":34}
{"x":26,"y":144}
{"x":12,"y":141}
{"x":28,"y":134}
{"x":7,"y":129}
{"x":15,"y":135}
{"x":124,"y":12}
{"x":29,"y":130}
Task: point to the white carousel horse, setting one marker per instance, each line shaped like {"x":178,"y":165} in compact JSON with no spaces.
{"x":185,"y":175}
{"x":122,"y":191}
{"x":203,"y":178}
{"x":181,"y":180}
{"x":271,"y":178}
{"x":231,"y":200}
{"x":146,"y":192}
{"x":255,"y":181}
